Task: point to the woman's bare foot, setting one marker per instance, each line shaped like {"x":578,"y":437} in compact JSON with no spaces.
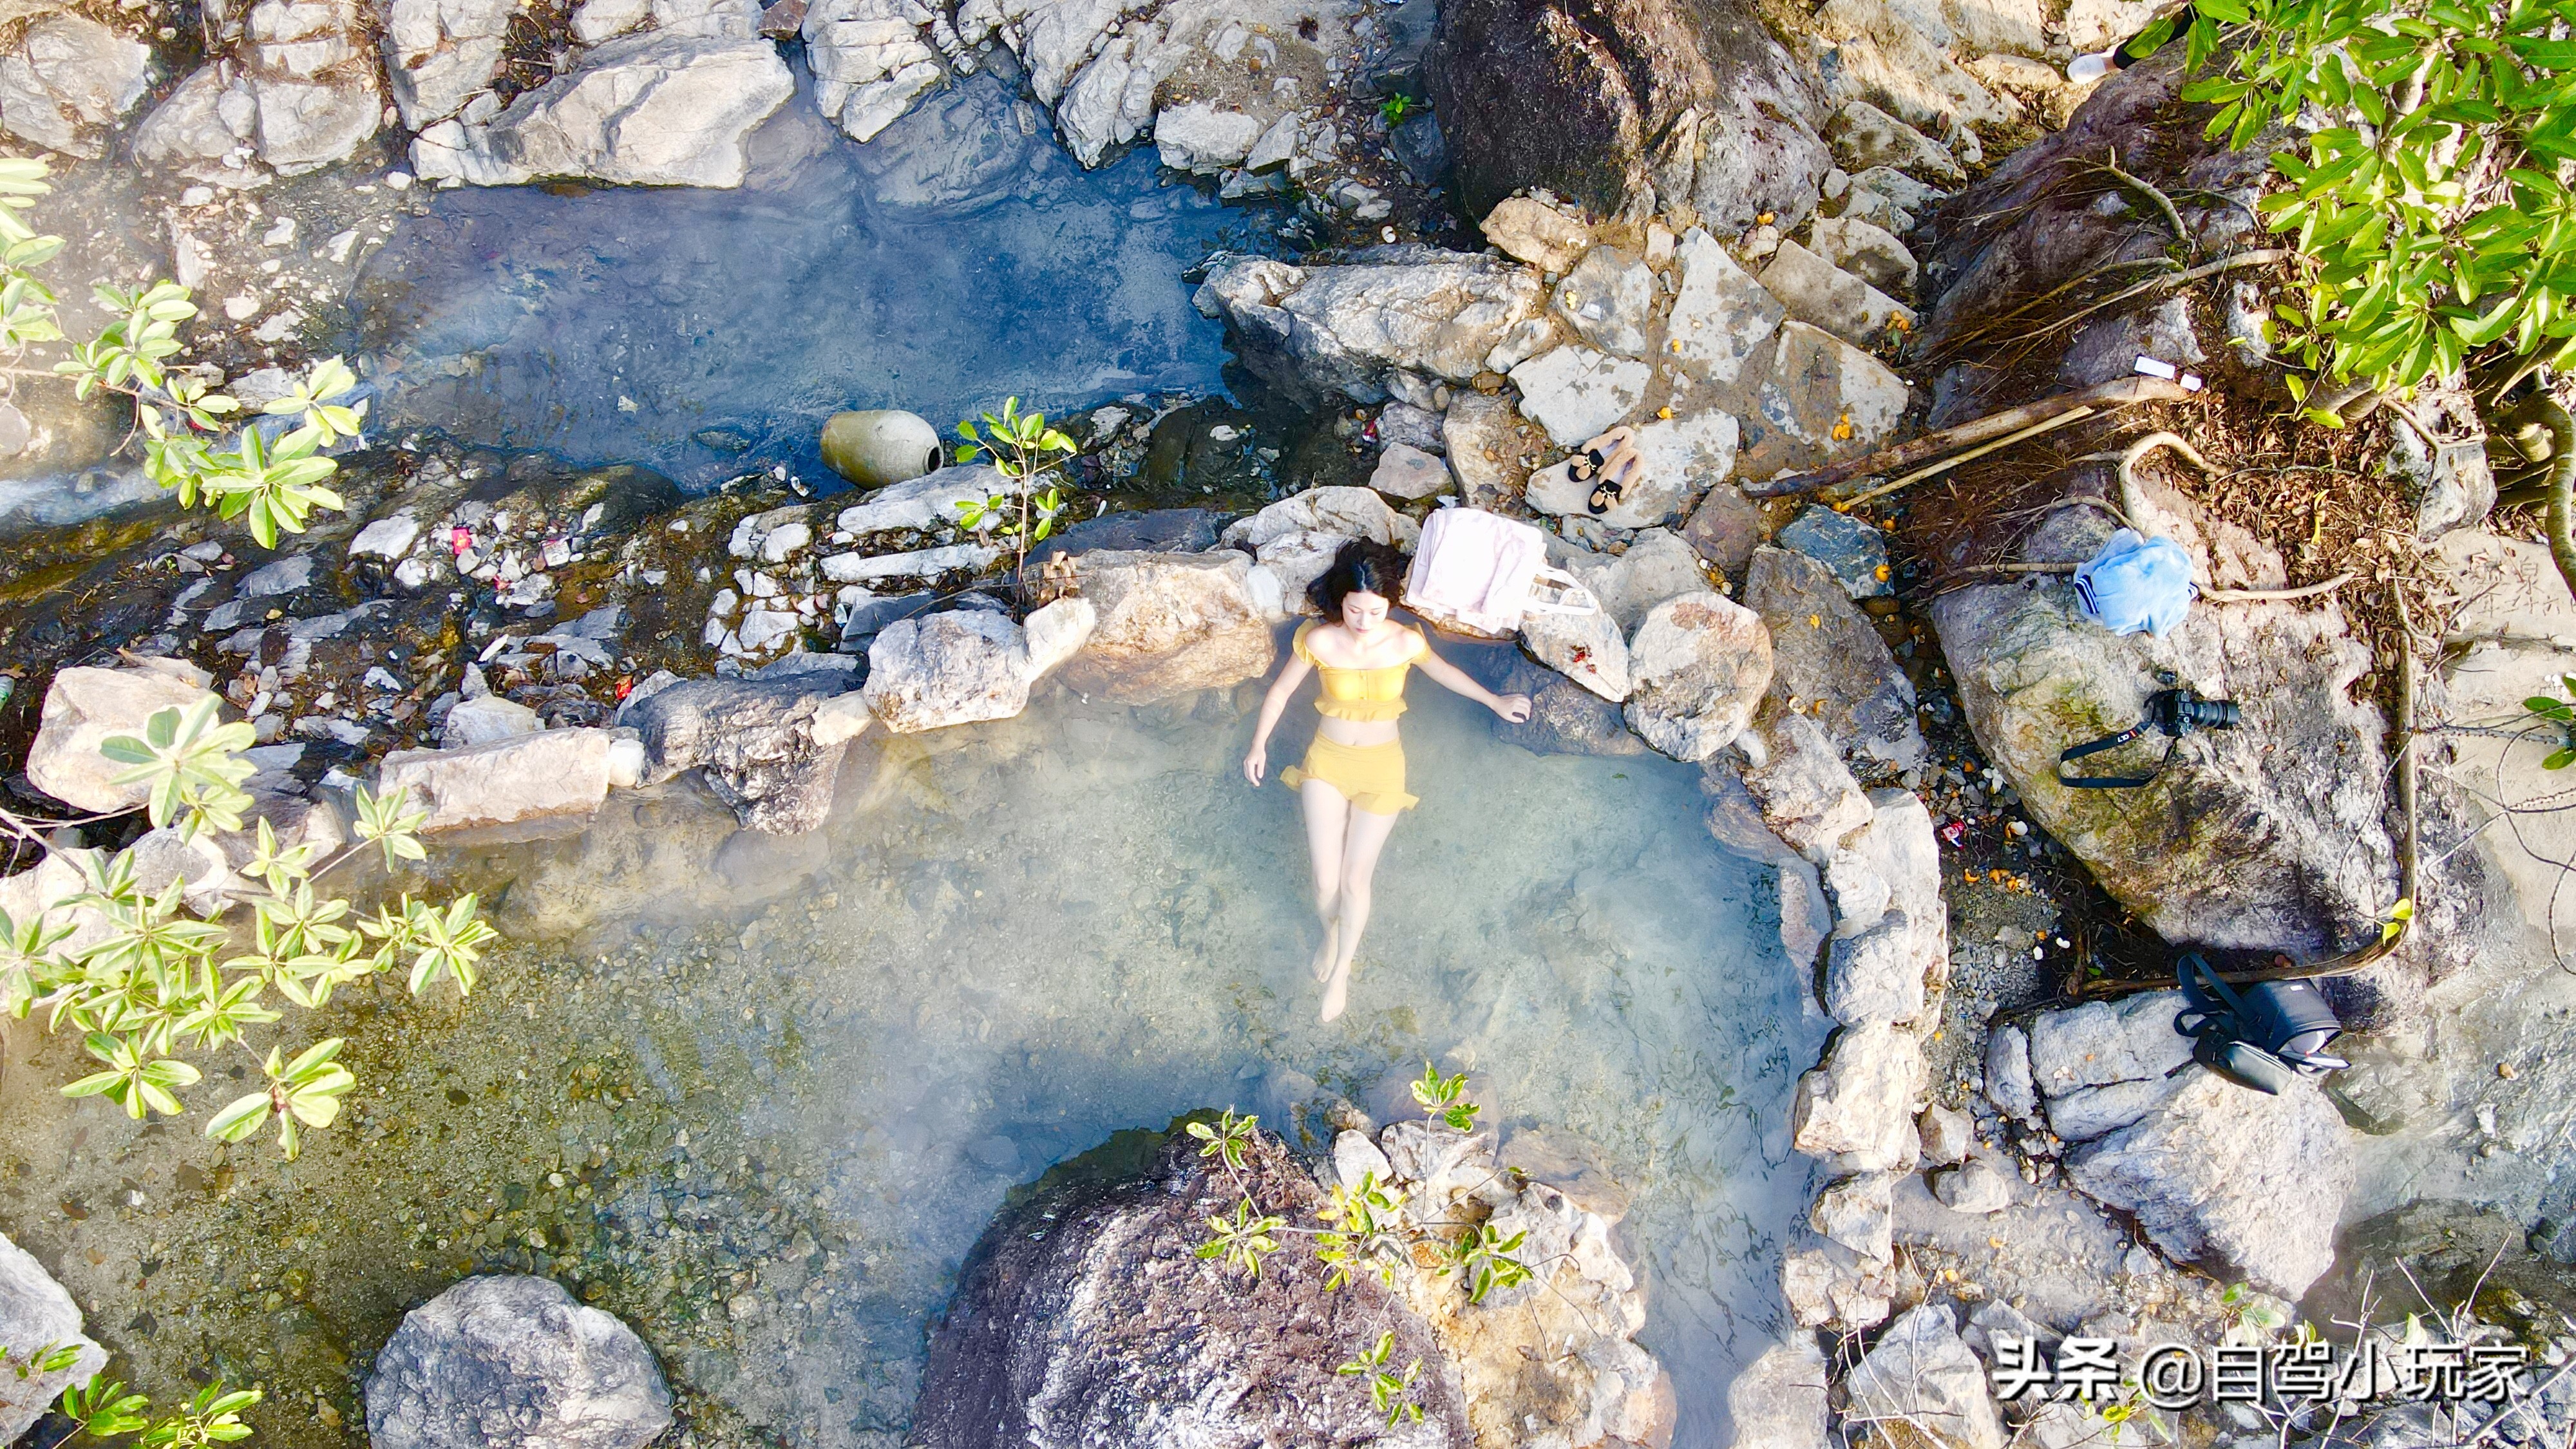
{"x":1337,"y":991}
{"x":1324,"y":954}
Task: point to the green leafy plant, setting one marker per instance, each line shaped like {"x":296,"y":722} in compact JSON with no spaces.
{"x":190,"y":442}
{"x":1391,"y":1393}
{"x":1244,"y":1239}
{"x":1228,"y":1139}
{"x":2252,"y":1313}
{"x":1483,"y":1258}
{"x":2558,"y":716}
{"x":1395,"y":108}
{"x":1364,"y":1232}
{"x":2433,"y":225}
{"x":105,"y":1411}
{"x":1446,"y":1098}
{"x":1364,"y":1226}
{"x":1024,"y":450}
{"x":150,"y":981}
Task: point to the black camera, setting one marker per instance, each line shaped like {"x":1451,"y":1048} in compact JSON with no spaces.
{"x":2172,"y":712}
{"x":2179,"y":712}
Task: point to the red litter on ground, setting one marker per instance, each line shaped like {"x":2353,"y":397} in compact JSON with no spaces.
{"x":459,"y":539}
{"x":1954,"y":832}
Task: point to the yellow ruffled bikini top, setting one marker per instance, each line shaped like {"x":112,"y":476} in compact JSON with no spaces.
{"x":1362,"y":694}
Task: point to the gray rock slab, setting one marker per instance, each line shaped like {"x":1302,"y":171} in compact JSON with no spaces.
{"x":1826,"y":652}
{"x":2238,"y":1182}
{"x":1610,"y":298}
{"x":36,"y":1314}
{"x":1854,"y":552}
{"x":1576,"y":393}
{"x":1818,"y":293}
{"x":514,"y":1363}
{"x":1720,"y":313}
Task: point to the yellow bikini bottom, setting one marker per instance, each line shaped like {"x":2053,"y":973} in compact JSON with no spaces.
{"x":1371,"y":777}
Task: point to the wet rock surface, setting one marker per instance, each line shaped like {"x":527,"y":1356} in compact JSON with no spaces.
{"x":1085,"y":1316}
{"x":1628,"y":104}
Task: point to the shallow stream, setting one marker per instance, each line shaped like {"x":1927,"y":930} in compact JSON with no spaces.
{"x":759,"y":1095}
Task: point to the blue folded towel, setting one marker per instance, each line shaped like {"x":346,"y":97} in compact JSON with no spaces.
{"x":2136,"y":583}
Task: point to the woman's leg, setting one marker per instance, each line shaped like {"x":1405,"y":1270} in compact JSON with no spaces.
{"x":1363,"y":840}
{"x":1327,"y":819}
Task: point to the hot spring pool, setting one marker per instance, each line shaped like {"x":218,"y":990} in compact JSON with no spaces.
{"x":759,"y":1096}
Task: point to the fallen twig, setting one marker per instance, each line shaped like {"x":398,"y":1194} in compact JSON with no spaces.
{"x":2562,"y":487}
{"x":2274,"y":596}
{"x":2138,"y":186}
{"x":2119,"y":392}
{"x":2071,"y":415}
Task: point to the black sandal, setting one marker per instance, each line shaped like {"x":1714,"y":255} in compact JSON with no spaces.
{"x":1583,"y":465}
{"x":1605,"y":496}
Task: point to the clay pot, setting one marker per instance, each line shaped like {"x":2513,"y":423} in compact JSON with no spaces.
{"x":880,"y":446}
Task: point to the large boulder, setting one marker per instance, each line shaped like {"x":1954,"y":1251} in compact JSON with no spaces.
{"x":1697,"y":668}
{"x":68,"y":80}
{"x":1856,"y":1109}
{"x":1830,"y":663}
{"x":440,"y":53}
{"x":83,"y":709}
{"x":1170,"y":624}
{"x":1778,"y":1401}
{"x":947,"y":669}
{"x":648,"y":109}
{"x":504,"y":782}
{"x":1627,"y":105}
{"x":1317,"y":330}
{"x":1921,"y":1373}
{"x":768,"y":747}
{"x":871,"y":59}
{"x":1086,"y":1317}
{"x":2246,"y":1185}
{"x":2264,"y":837}
{"x":506,"y":1362}
{"x":36,"y":1314}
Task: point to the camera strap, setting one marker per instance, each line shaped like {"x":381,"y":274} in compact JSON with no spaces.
{"x":2110,"y":742}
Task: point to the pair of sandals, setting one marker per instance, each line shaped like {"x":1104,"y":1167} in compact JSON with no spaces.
{"x":1610,"y":463}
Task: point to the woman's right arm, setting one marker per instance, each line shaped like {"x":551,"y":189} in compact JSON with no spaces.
{"x":1256,"y":762}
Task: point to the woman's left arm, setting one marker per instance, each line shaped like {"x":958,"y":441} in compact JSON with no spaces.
{"x":1513,"y":707}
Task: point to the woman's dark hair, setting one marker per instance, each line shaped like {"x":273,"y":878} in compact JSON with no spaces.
{"x":1361,"y":567}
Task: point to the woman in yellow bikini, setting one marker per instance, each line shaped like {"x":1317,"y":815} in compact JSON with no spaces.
{"x":1352,"y":781}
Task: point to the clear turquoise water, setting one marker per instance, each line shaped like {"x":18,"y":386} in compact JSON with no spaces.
{"x":759,"y":1095}
{"x":1032,"y":934}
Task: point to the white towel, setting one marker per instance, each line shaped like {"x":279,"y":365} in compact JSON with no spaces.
{"x":1476,"y":568}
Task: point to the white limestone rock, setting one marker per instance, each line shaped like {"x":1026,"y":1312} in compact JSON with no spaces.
{"x":517,"y":778}
{"x":947,"y":669}
{"x":1697,"y":666}
{"x":1576,"y":392}
{"x":1532,"y":231}
{"x":83,"y":709}
{"x":1720,"y":313}
{"x":1206,"y":138}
